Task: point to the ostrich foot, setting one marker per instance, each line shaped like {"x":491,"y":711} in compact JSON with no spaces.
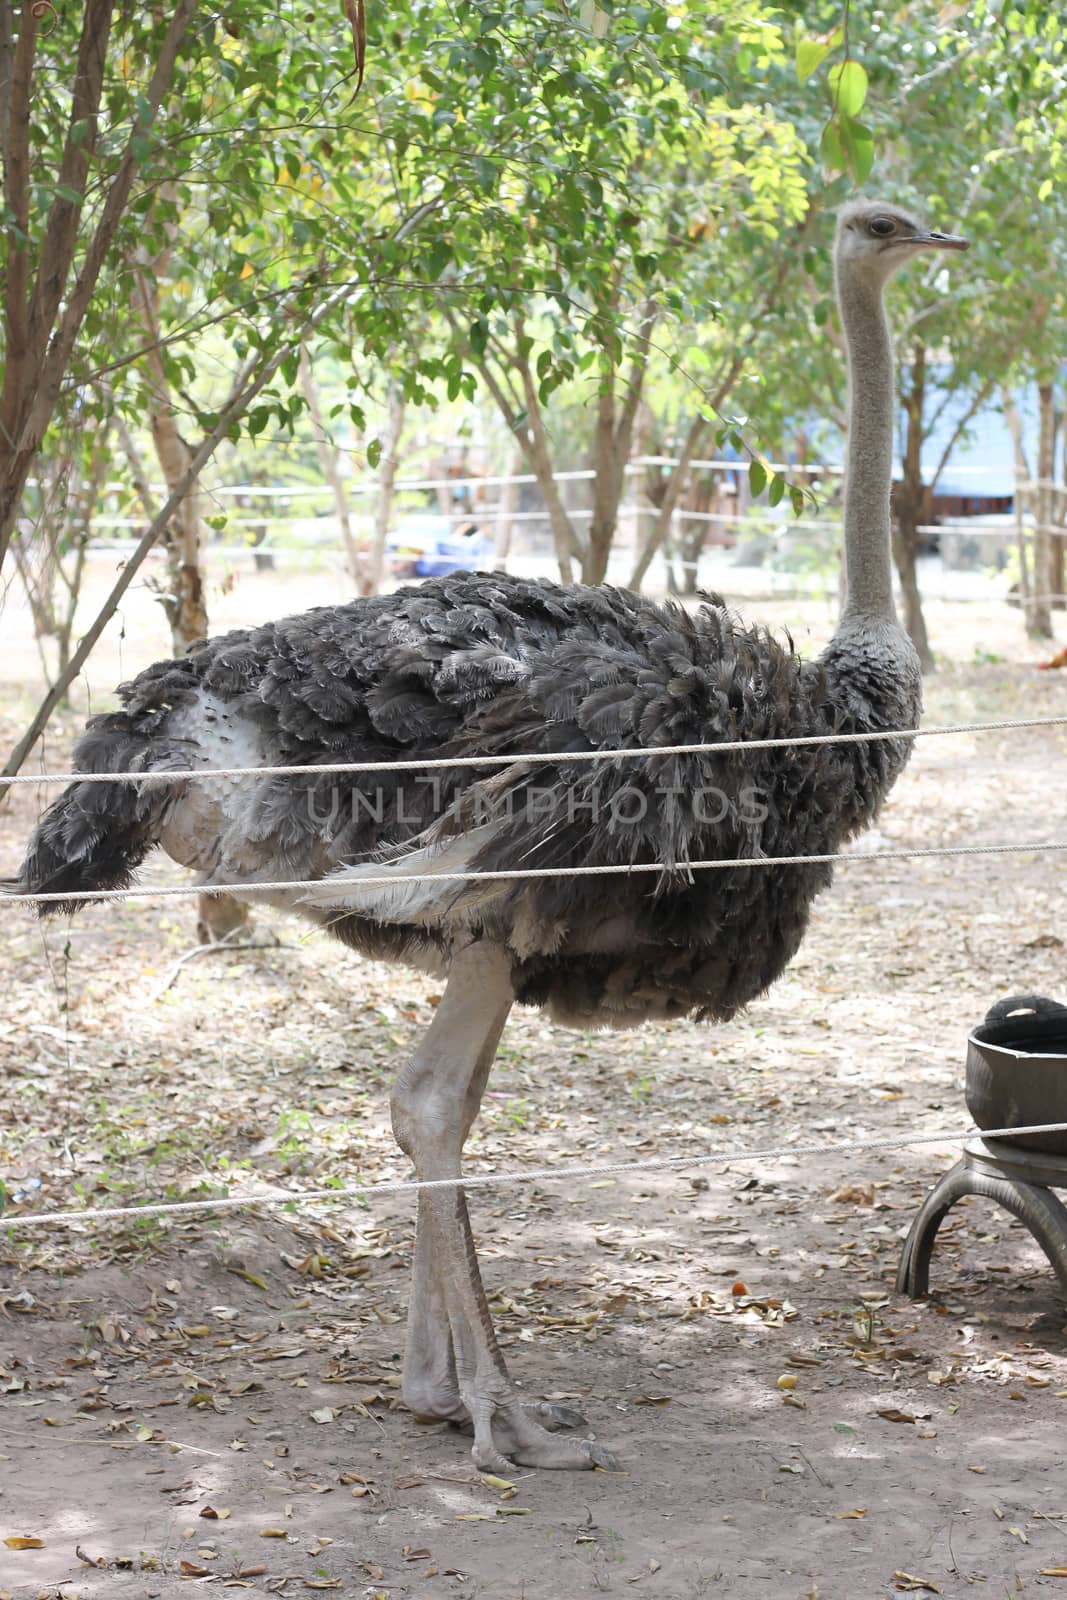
{"x":550,"y":1417}
{"x":507,"y":1435}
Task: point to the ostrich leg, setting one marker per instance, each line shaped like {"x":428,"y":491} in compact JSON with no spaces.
{"x":453,"y":1367}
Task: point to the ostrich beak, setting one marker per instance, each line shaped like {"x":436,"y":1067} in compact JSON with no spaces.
{"x":931,"y":239}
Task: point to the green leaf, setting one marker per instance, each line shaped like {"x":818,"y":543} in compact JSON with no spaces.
{"x":485,"y":172}
{"x":831,"y":150}
{"x":796,"y":495}
{"x":374,"y":452}
{"x":479,"y":336}
{"x":811,"y":53}
{"x":858,"y":145}
{"x":290,"y":366}
{"x":757,"y":478}
{"x":776,"y":490}
{"x":848,"y":85}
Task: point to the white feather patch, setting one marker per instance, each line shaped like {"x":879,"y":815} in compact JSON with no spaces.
{"x":429,"y":900}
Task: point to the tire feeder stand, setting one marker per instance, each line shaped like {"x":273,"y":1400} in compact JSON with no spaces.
{"x":1016,"y":1076}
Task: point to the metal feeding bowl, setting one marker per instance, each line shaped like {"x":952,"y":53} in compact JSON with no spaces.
{"x":1017,"y":1070}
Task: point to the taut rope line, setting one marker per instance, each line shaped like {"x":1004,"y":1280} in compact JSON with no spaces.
{"x":498,"y":1180}
{"x":334,"y":887}
{"x":537,"y":757}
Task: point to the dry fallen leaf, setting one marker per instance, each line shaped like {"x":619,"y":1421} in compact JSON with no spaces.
{"x":1054,"y":1572}
{"x":891,"y":1414}
{"x":853,"y":1194}
{"x":788,"y":1380}
{"x":851,"y":1516}
{"x":905,"y":1581}
{"x":189,"y":1569}
{"x":653,"y":1400}
{"x":213,"y":1515}
{"x":273,"y":1533}
{"x":21,"y":1542}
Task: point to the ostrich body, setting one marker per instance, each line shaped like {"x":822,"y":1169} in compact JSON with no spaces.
{"x":487,"y":664}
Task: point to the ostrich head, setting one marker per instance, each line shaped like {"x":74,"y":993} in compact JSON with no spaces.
{"x":875,"y":238}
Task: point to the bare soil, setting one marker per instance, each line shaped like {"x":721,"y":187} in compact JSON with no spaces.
{"x":247,"y":1365}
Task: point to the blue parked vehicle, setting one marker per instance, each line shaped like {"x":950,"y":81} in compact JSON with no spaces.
{"x":432,"y":546}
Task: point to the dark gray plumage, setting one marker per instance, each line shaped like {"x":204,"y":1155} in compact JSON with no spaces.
{"x":487,"y":664}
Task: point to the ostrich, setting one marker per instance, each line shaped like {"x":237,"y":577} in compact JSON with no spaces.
{"x":478,"y":664}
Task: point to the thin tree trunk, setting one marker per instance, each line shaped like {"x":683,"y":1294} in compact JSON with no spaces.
{"x":661,"y":527}
{"x":329,"y":461}
{"x":676,"y":482}
{"x":908,"y":506}
{"x":1039,"y":503}
{"x":383,"y":511}
{"x":1035,"y":601}
{"x":184,"y":605}
{"x":509,"y":497}
{"x":1049,"y":556}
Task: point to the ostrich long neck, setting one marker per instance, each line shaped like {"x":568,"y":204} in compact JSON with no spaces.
{"x":869,"y":458}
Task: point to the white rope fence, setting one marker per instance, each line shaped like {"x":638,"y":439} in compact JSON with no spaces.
{"x":536,"y":757}
{"x":341,"y":885}
{"x":500,"y":1180}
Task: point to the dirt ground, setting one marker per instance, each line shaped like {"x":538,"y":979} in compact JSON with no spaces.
{"x":216,"y":1401}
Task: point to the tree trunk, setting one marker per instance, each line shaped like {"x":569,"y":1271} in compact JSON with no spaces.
{"x":383,"y":512}
{"x":908,"y":509}
{"x":1049,"y":549}
{"x":607,"y":487}
{"x":329,"y":461}
{"x":184,"y":604}
{"x":39,"y":347}
{"x":509,"y":497}
{"x":1034,"y":598}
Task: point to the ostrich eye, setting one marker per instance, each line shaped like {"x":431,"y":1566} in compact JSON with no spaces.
{"x":882,"y":226}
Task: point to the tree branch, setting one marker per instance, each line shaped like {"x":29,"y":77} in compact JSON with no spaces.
{"x":979,"y":400}
{"x":247,"y":385}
